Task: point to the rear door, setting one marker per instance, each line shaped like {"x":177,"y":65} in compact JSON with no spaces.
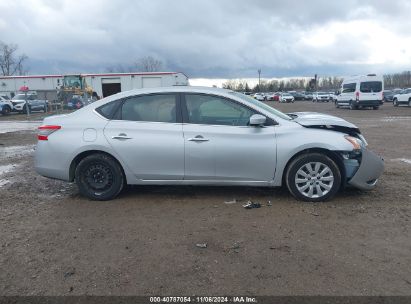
{"x":219,"y":144}
{"x":371,"y":90}
{"x":146,"y":133}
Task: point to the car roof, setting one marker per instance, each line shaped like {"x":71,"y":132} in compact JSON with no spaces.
{"x":171,"y":89}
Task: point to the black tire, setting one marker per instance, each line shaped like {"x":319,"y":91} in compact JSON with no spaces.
{"x":6,"y":110}
{"x":106,"y":171}
{"x":375,"y":108}
{"x":353,"y":106}
{"x":395,"y":102}
{"x":45,"y":109}
{"x":305,"y":159}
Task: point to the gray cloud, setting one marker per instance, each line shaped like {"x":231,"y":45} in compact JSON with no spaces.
{"x":230,"y":38}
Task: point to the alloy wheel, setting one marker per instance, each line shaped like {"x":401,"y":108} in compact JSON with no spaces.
{"x":314,"y":179}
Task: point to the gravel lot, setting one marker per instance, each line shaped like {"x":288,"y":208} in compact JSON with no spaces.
{"x":55,"y":242}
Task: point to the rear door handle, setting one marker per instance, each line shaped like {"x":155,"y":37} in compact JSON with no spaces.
{"x":121,"y":136}
{"x":198,"y":138}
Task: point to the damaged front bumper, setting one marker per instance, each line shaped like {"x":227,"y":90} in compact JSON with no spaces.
{"x":368,"y":172}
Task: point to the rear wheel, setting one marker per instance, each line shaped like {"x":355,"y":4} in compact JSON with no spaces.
{"x":99,"y":177}
{"x":313,"y":177}
{"x":409,"y":102}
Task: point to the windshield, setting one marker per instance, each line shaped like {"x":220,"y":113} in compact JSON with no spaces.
{"x":72,"y":81}
{"x":322,"y":93}
{"x":262,"y":105}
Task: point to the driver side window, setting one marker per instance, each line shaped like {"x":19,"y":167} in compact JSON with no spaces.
{"x":212,"y":110}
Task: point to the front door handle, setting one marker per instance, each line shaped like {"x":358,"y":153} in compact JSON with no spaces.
{"x":121,"y":136}
{"x":198,"y":138}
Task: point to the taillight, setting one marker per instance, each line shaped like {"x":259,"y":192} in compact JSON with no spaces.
{"x":357,"y":95}
{"x":45,"y":131}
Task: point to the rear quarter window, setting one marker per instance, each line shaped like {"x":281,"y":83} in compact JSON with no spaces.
{"x":108,"y":109}
{"x":371,"y":86}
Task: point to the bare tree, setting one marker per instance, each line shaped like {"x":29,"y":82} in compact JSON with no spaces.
{"x":10,"y":62}
{"x":148,"y":64}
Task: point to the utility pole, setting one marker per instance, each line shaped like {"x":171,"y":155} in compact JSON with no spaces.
{"x":259,"y":80}
{"x":27,"y":102}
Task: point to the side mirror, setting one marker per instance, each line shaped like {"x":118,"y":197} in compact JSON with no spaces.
{"x":257,"y":120}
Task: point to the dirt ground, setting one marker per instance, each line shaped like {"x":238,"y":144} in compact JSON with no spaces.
{"x":55,"y":242}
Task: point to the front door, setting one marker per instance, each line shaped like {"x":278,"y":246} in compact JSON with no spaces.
{"x":220,"y":145}
{"x":148,"y":138}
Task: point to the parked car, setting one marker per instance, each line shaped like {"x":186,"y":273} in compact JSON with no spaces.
{"x":361,"y":91}
{"x":388,"y":95}
{"x":260,"y":96}
{"x":404,"y":98}
{"x":332,"y":96}
{"x":21,"y":100}
{"x":76,"y":102}
{"x":202,"y":136}
{"x":321,"y":96}
{"x":308,"y":96}
{"x":298,"y":96}
{"x":286,"y":97}
{"x":5,"y":106}
{"x":273,"y":96}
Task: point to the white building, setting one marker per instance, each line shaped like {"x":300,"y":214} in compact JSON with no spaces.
{"x":103,"y":84}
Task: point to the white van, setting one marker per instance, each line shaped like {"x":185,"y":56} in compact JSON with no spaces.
{"x":361,"y":91}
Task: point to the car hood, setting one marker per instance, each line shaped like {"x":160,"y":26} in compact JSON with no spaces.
{"x":324,"y":121}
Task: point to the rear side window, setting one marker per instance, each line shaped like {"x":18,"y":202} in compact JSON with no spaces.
{"x":153,"y":108}
{"x":108,"y":109}
{"x":349,"y":88}
{"x":371,"y":86}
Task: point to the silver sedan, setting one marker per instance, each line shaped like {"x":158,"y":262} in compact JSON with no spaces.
{"x":202,"y":136}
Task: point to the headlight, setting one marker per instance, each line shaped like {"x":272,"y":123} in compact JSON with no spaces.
{"x":357,"y":143}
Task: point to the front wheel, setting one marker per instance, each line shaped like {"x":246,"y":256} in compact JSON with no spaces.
{"x":353,"y":106}
{"x":395,"y":102}
{"x":99,"y":177}
{"x":313,"y":177}
{"x":6,"y":110}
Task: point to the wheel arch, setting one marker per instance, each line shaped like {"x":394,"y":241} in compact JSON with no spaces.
{"x":82,"y":155}
{"x":335,"y":156}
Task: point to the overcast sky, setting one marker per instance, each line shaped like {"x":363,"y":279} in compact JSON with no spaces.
{"x":212,"y":38}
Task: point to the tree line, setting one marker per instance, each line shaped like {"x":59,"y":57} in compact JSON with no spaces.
{"x":291,"y":84}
